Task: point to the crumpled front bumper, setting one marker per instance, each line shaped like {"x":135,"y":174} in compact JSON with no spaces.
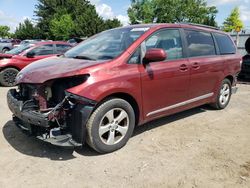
{"x":38,"y":124}
{"x":27,"y":116}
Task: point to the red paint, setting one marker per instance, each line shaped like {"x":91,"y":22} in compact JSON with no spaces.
{"x":153,"y":86}
{"x":155,"y":54}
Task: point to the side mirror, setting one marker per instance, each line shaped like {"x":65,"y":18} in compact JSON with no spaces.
{"x":30,"y":54}
{"x":154,"y":54}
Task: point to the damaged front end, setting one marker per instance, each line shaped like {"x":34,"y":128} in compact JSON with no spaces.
{"x":50,"y":113}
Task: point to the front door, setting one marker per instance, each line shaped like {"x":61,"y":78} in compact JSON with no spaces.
{"x":164,"y":84}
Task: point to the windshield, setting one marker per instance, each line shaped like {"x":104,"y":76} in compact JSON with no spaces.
{"x":18,"y":50}
{"x":106,"y":45}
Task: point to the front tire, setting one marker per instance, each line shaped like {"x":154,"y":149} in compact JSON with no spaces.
{"x":5,"y":50}
{"x":224,"y":95}
{"x":110,"y":126}
{"x":8,"y":76}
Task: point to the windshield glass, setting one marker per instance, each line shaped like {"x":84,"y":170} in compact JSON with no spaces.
{"x":106,"y":45}
{"x":18,"y":50}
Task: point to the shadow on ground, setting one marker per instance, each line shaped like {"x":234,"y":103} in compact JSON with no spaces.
{"x":31,"y":146}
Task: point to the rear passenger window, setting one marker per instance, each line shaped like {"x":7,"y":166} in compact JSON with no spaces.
{"x":62,"y":48}
{"x":169,"y":40}
{"x":199,"y":43}
{"x":226,"y":45}
{"x":46,"y":49}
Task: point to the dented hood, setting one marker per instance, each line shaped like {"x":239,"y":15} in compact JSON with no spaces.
{"x":52,"y":68}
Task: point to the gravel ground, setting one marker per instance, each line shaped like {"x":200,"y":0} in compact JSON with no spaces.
{"x":196,"y":148}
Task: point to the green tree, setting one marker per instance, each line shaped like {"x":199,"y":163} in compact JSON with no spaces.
{"x":4,"y":31}
{"x":233,"y":21}
{"x":61,"y":26}
{"x":171,"y":11}
{"x":111,"y":23}
{"x":27,"y":30}
{"x":86,"y":20}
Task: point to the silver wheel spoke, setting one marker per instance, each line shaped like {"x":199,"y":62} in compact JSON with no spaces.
{"x":224,"y":87}
{"x":226,"y":92}
{"x":110,"y":115}
{"x":111,"y":138}
{"x":121,"y":116}
{"x":221,"y":98}
{"x":103,"y":129}
{"x":122,"y":130}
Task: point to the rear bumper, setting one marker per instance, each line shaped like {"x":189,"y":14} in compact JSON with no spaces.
{"x":73,"y":133}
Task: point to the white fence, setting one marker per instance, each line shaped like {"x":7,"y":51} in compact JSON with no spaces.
{"x":241,"y":42}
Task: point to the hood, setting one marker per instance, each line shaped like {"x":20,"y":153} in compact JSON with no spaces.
{"x":4,"y":56}
{"x":52,"y":68}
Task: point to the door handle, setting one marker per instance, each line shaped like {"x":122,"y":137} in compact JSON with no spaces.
{"x":183,"y":67}
{"x":196,"y":65}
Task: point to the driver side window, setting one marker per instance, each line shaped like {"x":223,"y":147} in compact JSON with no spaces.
{"x":43,"y":50}
{"x":168,"y":40}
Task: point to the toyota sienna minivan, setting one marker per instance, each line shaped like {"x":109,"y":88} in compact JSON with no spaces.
{"x":98,"y":91}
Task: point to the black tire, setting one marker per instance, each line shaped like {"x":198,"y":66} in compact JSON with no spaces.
{"x":112,"y":106}
{"x":5,"y":50}
{"x":219,"y":104}
{"x":7,"y":77}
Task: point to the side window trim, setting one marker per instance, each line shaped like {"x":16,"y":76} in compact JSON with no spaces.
{"x":54,"y":49}
{"x":216,"y":44}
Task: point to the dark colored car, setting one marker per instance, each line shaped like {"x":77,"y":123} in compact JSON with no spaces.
{"x":99,"y":90}
{"x":245,"y":67}
{"x":16,"y":59}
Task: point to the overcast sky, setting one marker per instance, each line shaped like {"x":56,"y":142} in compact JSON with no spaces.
{"x":14,"y":11}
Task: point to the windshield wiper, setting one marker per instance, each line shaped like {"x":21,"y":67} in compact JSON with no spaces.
{"x":84,"y":57}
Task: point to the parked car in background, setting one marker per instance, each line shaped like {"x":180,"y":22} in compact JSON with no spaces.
{"x":29,"y":41}
{"x":245,"y":67}
{"x":8,"y":44}
{"x":14,"y":61}
{"x":76,"y":40}
{"x":100,"y":89}
{"x":5,"y":45}
{"x":15,"y":51}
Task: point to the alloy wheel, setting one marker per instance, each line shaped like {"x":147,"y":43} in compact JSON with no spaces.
{"x":114,"y":126}
{"x":224,"y":94}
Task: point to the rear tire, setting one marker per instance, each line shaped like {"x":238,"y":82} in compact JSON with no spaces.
{"x":224,"y":95}
{"x":8,"y":76}
{"x":5,"y":50}
{"x":110,"y":126}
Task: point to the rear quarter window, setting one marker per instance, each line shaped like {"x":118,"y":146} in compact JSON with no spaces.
{"x":225,"y":44}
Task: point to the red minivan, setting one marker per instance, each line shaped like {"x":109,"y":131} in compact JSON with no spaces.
{"x":98,"y":91}
{"x":16,"y":59}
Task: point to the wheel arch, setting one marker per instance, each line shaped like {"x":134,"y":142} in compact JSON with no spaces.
{"x":127,"y":97}
{"x":10,"y":66}
{"x":6,"y":47}
{"x":230,"y":78}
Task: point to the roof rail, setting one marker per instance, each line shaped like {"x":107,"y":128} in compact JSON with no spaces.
{"x":199,"y":25}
